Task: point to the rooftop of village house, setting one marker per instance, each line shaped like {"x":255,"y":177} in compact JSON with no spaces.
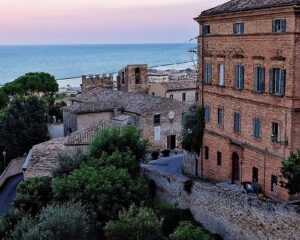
{"x":102,"y":99}
{"x":244,"y":5}
{"x":179,"y":85}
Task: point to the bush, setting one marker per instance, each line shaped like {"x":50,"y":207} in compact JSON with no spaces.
{"x":188,"y":185}
{"x":155,"y":155}
{"x":172,"y":216}
{"x":60,"y":222}
{"x":105,"y":191}
{"x":166,"y":152}
{"x":135,"y":224}
{"x":187,"y":231}
{"x":8,"y":223}
{"x":68,"y":163}
{"x":119,"y":160}
{"x":33,"y":195}
{"x":126,"y":139}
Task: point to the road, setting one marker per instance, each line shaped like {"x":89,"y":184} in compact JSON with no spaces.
{"x":8,"y":193}
{"x":171,"y":165}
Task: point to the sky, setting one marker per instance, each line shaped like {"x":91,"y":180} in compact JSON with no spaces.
{"x":99,"y":21}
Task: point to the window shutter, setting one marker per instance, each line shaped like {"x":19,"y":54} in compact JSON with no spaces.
{"x":283,"y":22}
{"x":262,"y":80}
{"x":273,"y":25}
{"x":236,"y":76}
{"x":254,"y":127}
{"x":234,"y":28}
{"x":271,"y":81}
{"x":209,"y":73}
{"x":242,"y":77}
{"x":282,"y":82}
{"x":258,"y":127}
{"x":242,"y":27}
{"x":256,"y":69}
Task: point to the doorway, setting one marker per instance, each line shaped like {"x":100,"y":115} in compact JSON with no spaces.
{"x":171,"y":142}
{"x":235,"y":168}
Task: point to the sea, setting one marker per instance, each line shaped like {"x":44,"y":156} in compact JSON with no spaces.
{"x":68,"y":62}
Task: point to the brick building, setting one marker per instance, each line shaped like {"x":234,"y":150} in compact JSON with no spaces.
{"x":250,"y":68}
{"x":90,"y":82}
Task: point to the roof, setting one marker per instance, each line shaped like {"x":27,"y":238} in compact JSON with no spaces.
{"x":101,"y":99}
{"x":244,"y":5}
{"x":179,"y":85}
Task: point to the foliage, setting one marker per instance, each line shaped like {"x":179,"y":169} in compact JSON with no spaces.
{"x":135,"y":224}
{"x":55,"y":109}
{"x":61,"y":222}
{"x":291,"y":171}
{"x":105,"y":191}
{"x":119,"y":160}
{"x":187,"y":231}
{"x":8,"y":223}
{"x":172,"y":216}
{"x":33,"y":195}
{"x":68,"y":163}
{"x":193,"y":129}
{"x":155,"y":155}
{"x":30,"y":83}
{"x":23,"y":124}
{"x":166,"y":153}
{"x":126,"y":139}
{"x":188,"y":185}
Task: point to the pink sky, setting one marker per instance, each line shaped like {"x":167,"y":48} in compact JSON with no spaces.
{"x":99,"y":21}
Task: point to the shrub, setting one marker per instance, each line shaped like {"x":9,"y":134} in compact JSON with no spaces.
{"x":188,"y":185}
{"x":68,"y":163}
{"x":126,"y":139}
{"x":26,"y":229}
{"x":155,"y":155}
{"x":187,"y":231}
{"x":33,"y":195}
{"x":135,"y":224}
{"x":8,"y":223}
{"x":166,"y":152}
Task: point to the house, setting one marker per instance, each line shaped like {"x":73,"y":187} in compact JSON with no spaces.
{"x":180,"y":90}
{"x":159,"y":118}
{"x":249,"y":65}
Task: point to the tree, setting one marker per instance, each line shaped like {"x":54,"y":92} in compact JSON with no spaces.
{"x":22,"y":125}
{"x":105,"y":191}
{"x":193,"y":129}
{"x":291,"y":171}
{"x":126,"y":139}
{"x":187,"y":231}
{"x":135,"y":224}
{"x":33,"y":195}
{"x":61,"y":222}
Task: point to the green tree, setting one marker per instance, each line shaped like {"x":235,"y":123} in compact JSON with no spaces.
{"x":22,"y":125}
{"x":126,"y":139}
{"x":193,"y":129}
{"x":291,"y":171}
{"x":33,"y":195}
{"x":105,"y":191}
{"x":135,"y":224}
{"x":187,"y":231}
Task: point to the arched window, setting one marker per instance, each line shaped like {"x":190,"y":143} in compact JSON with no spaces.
{"x":137,"y":76}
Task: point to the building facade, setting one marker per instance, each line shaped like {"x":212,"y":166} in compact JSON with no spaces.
{"x":250,"y":68}
{"x":90,"y":82}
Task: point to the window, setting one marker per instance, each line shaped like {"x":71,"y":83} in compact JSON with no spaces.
{"x":259,"y":79}
{"x":156,"y":119}
{"x":238,"y":28}
{"x":255,"y":174}
{"x":171,"y":96}
{"x":219,"y":158}
{"x":206,"y":152}
{"x":221,"y":74}
{"x":137,"y":76}
{"x":153,"y":93}
{"x":207,"y":73}
{"x":256,"y":127}
{"x":207,"y":114}
{"x":206,"y":30}
{"x":275,"y":132}
{"x":183,"y":97}
{"x":279,"y":25}
{"x":239,"y":76}
{"x":236,"y":122}
{"x":123,"y":78}
{"x":274,"y":183}
{"x":277,"y":81}
{"x":220,"y":116}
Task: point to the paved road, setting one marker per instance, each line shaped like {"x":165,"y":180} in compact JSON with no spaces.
{"x":171,"y":165}
{"x":8,"y":193}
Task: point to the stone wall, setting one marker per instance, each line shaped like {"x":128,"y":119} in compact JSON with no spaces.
{"x":14,"y":168}
{"x":189,"y":163}
{"x":93,"y":81}
{"x":230,"y":214}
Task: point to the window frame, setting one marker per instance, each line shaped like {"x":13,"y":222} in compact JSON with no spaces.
{"x":207,"y":73}
{"x":277,"y":81}
{"x":241,"y":28}
{"x":156,"y":120}
{"x":219,"y":158}
{"x":282,"y":24}
{"x":239,"y":76}
{"x":206,"y":30}
{"x":183,"y":97}
{"x":206,"y":152}
{"x":238,"y":129}
{"x":221,"y":77}
{"x":206,"y":113}
{"x":220,"y":118}
{"x":256,"y":128}
{"x":276,"y":124}
{"x":259,"y":79}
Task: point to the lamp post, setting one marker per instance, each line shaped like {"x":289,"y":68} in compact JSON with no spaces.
{"x":4,"y":158}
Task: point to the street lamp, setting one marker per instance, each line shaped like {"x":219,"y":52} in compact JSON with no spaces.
{"x":4,"y":158}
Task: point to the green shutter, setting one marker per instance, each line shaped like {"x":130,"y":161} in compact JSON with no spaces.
{"x":271,"y":81}
{"x":242,"y":77}
{"x":236,"y":76}
{"x":255,"y":82}
{"x":283,"y":25}
{"x":282,"y":82}
{"x":242,"y":28}
{"x":273,"y":25}
{"x":262,"y":79}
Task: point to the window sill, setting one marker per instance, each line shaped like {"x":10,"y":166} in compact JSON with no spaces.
{"x":220,"y":86}
{"x":276,"y":95}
